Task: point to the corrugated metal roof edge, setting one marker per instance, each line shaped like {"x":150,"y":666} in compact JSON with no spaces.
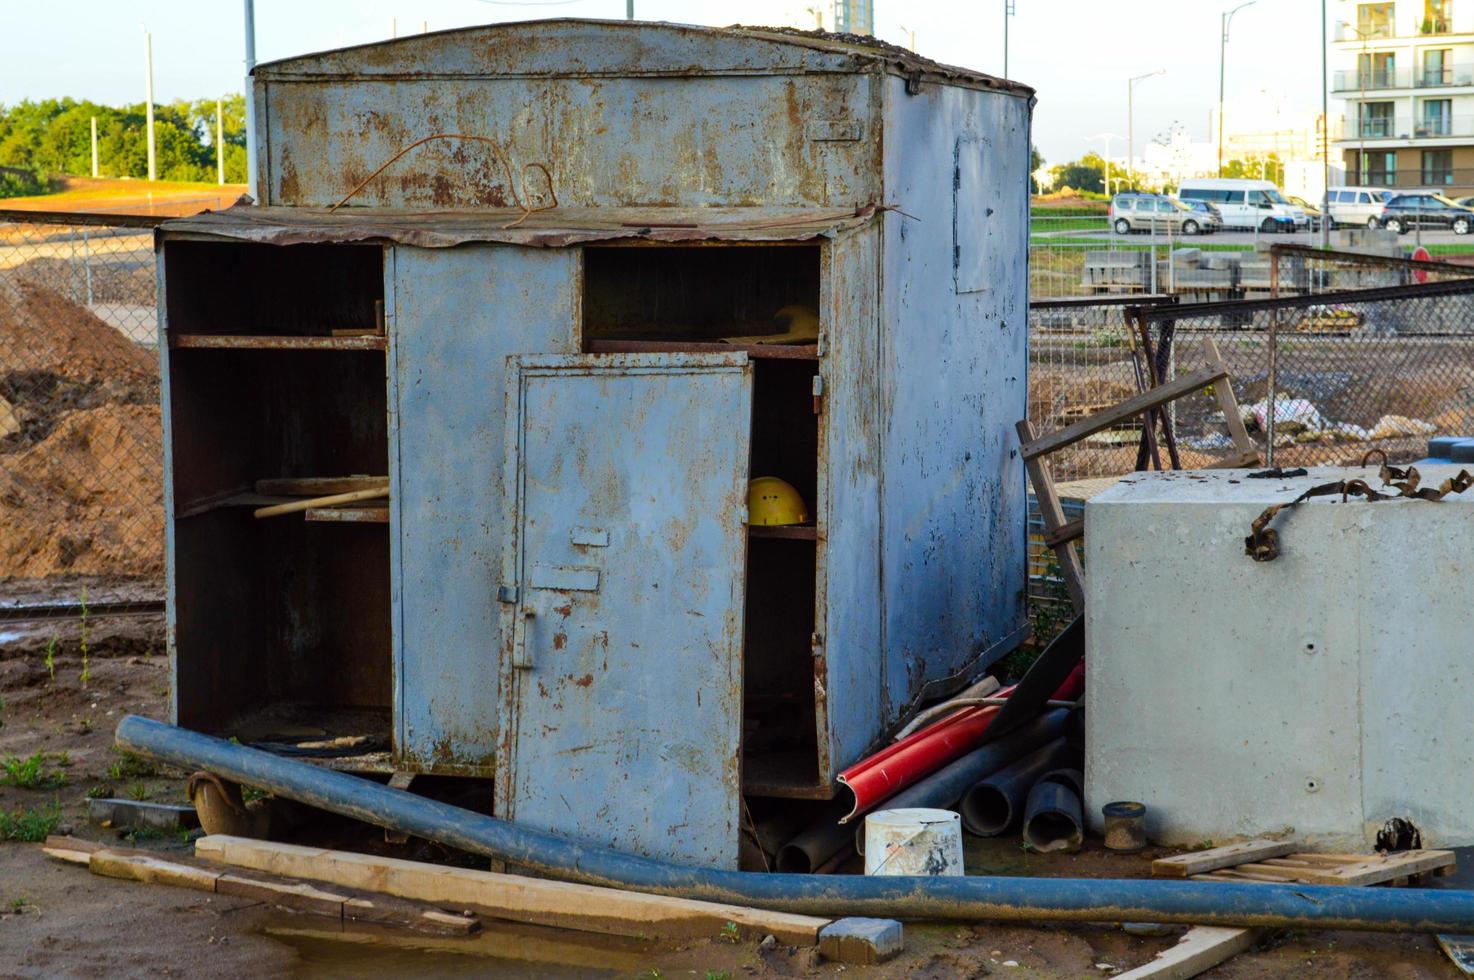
{"x":903,"y":62}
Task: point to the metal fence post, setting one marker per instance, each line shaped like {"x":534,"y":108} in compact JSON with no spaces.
{"x":1274,"y":293}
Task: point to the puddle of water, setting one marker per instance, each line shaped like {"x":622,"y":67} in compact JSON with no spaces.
{"x":328,"y":952}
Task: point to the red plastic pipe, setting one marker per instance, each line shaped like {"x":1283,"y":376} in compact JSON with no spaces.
{"x":879,"y":777}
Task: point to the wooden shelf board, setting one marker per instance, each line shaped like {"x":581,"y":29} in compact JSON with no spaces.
{"x":233,"y":499}
{"x":797,"y":532}
{"x":795,"y":352}
{"x":367,"y":342}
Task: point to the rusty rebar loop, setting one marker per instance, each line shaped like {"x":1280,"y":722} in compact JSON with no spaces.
{"x":501,"y":156}
{"x":1367,"y":456}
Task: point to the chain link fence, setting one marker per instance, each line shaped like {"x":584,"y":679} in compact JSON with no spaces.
{"x":81,"y":450}
{"x":1345,"y":372}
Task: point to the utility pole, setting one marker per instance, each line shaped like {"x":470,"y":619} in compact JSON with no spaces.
{"x":251,"y":187}
{"x":1008,"y":7}
{"x":94,"y":146}
{"x":1130,"y":123}
{"x":220,"y":139}
{"x":148,"y":62}
{"x":1224,"y":20}
{"x":629,"y":9}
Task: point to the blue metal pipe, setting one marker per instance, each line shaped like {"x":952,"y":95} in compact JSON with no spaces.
{"x":952,"y":898}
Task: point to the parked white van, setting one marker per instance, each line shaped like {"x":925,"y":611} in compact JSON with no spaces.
{"x":1246,"y":203}
{"x":1355,"y":205}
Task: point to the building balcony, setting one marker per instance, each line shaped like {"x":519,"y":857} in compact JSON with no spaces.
{"x":1402,"y":78}
{"x":1412,"y":178}
{"x":1443,"y":127}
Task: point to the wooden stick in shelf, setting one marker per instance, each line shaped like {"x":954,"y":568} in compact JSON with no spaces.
{"x":309,"y":503}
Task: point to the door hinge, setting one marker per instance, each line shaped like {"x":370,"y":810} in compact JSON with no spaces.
{"x":822,"y":346}
{"x":818,"y":393}
{"x":507,"y":594}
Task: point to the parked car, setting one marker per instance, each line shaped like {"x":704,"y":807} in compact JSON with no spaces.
{"x":1246,"y":203}
{"x":1426,"y":210}
{"x":1311,"y":211}
{"x":1355,"y":205}
{"x":1156,"y":212}
{"x":1214,"y":217}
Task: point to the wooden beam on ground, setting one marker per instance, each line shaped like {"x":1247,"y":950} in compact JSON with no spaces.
{"x":1200,"y":948}
{"x":1126,"y":411}
{"x":340,"y":904}
{"x":513,"y":897}
{"x":1201,"y":862}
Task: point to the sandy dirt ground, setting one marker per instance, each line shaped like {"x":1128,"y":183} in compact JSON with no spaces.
{"x":58,"y":921}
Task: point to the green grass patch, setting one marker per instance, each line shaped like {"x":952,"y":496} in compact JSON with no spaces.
{"x":32,"y":826}
{"x":37,"y":771}
{"x":130,"y":765}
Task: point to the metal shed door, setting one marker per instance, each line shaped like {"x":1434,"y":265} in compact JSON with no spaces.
{"x":625,"y":583}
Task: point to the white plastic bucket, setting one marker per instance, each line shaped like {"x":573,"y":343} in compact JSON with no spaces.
{"x":913,"y":841}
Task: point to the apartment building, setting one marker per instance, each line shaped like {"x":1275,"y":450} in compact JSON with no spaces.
{"x":1405,"y":70}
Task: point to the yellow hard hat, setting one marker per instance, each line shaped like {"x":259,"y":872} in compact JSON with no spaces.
{"x":774,"y":501}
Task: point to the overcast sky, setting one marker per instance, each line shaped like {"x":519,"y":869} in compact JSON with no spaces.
{"x":1077,"y":53}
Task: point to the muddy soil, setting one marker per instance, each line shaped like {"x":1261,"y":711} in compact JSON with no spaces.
{"x":59,"y":921}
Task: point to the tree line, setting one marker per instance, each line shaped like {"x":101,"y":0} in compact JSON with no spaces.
{"x":42,"y":139}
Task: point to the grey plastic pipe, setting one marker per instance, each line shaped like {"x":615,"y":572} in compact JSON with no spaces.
{"x":952,"y":898}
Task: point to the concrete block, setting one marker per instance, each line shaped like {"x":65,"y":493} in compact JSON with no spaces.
{"x":133,"y":814}
{"x":859,"y":940}
{"x":1187,"y":256}
{"x":1325,"y":691}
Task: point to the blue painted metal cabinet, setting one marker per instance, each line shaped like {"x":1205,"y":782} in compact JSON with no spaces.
{"x":545,"y":342}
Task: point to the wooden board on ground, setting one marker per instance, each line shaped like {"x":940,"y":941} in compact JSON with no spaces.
{"x":512,"y":897}
{"x":1200,"y":948}
{"x":340,"y":904}
{"x":1199,"y":862}
{"x":1275,"y":862}
{"x":1337,"y":869}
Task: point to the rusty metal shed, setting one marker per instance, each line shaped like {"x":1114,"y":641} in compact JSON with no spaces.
{"x":530,"y":332}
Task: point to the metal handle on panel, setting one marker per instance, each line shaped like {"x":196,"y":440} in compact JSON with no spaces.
{"x":521,"y":660}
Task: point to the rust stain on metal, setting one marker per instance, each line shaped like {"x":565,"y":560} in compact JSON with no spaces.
{"x":584,"y":681}
{"x":560,"y":640}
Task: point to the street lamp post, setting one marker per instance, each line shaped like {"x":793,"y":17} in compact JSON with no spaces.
{"x":1130,"y":122}
{"x":1105,"y":165}
{"x":1225,"y":19}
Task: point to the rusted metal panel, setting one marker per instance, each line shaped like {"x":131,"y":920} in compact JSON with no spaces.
{"x":624,"y":681}
{"x":847,"y":673}
{"x":954,"y":372}
{"x":628,"y":142}
{"x":554,"y":228}
{"x":455,"y":317}
{"x":557,"y":48}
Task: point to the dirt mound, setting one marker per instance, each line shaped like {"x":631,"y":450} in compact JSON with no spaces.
{"x":41,"y":330}
{"x":88,"y":499}
{"x":81,"y":476}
